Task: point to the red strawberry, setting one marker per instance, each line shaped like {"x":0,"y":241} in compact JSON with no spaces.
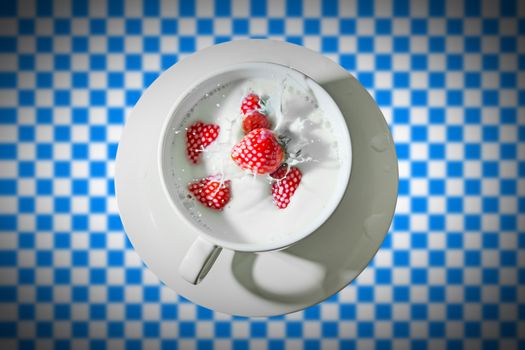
{"x":287,"y":181}
{"x":211,"y":192}
{"x":255,"y":120}
{"x":199,"y":136}
{"x":258,"y":152}
{"x":251,"y":102}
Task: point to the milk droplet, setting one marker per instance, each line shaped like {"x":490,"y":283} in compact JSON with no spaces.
{"x":375,"y":226}
{"x":187,"y":204}
{"x":379,"y":142}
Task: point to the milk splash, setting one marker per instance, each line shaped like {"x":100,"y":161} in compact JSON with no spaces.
{"x":294,"y":111}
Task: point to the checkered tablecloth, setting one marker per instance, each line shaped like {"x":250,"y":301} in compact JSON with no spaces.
{"x":449,"y":77}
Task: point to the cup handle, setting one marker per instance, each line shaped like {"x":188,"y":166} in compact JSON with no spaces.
{"x":198,"y":260}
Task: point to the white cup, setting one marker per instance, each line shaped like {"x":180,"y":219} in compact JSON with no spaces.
{"x":210,"y":240}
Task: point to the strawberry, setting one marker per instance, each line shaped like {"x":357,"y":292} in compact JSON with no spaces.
{"x":211,"y":192}
{"x":255,"y":120}
{"x":252,"y":102}
{"x":258,"y":152}
{"x":287,"y":181}
{"x":198,"y":137}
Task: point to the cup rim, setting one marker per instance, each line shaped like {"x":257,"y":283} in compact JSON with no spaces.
{"x":253,"y":247}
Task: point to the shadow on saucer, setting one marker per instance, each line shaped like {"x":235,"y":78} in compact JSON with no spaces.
{"x":306,"y":271}
{"x":244,"y":270}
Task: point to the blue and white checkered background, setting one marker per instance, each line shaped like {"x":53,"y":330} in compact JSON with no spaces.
{"x":449,"y":77}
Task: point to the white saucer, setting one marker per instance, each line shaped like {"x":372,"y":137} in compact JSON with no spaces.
{"x":271,"y":283}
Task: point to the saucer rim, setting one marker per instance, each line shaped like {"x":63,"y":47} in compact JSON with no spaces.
{"x":159,"y":260}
